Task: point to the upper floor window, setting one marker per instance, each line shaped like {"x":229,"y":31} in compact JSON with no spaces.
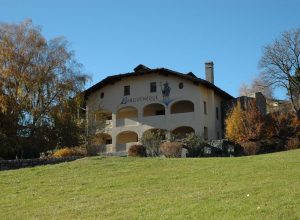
{"x":126,"y":90}
{"x":102,"y":95}
{"x":217,"y":113}
{"x":153,"y":87}
{"x":205,"y":108}
{"x":180,"y":85}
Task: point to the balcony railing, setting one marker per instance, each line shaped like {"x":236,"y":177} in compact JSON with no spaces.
{"x":125,"y":146}
{"x":127,"y":122}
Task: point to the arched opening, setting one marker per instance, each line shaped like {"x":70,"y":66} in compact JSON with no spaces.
{"x":125,"y":139}
{"x":127,"y":112}
{"x":182,"y":132}
{"x":127,"y":116}
{"x":182,"y":107}
{"x":100,"y":141}
{"x":154,"y":109}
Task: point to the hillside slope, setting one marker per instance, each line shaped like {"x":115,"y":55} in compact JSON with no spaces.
{"x":258,"y":187}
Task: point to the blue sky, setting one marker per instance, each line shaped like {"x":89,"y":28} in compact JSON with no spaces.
{"x":111,"y":37}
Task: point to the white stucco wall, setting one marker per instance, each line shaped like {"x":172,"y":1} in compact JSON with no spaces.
{"x":140,"y":96}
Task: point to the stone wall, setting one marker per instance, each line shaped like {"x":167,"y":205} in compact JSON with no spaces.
{"x":16,"y":164}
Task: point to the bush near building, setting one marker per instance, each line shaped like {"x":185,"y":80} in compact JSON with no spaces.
{"x":68,"y":152}
{"x":262,"y":134}
{"x":194,"y":144}
{"x":137,"y":150}
{"x":151,"y":140}
{"x":171,"y":149}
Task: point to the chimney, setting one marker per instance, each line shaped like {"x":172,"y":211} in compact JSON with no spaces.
{"x":209,"y":72}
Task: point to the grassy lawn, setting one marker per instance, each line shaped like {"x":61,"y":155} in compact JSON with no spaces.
{"x":258,"y":187}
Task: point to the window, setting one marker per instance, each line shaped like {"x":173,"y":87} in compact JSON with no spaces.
{"x":153,"y":87}
{"x":126,"y":90}
{"x":218,"y":135}
{"x":102,"y":95}
{"x":217,"y":113}
{"x":205,"y":133}
{"x":108,"y":141}
{"x":160,"y":112}
{"x":180,"y":85}
{"x":205,"y":110}
{"x":109,"y":117}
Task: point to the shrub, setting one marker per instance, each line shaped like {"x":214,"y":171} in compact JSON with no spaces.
{"x":195,"y":151}
{"x":194,"y":144}
{"x":137,"y":150}
{"x":271,"y":145}
{"x":171,"y":149}
{"x":251,"y":147}
{"x":282,"y":124}
{"x":68,"y":152}
{"x":93,"y":150}
{"x":292,"y":143}
{"x":151,"y":140}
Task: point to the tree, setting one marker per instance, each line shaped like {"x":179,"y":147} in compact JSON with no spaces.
{"x":259,"y":84}
{"x":244,"y":125}
{"x":37,"y":78}
{"x":281,"y":65}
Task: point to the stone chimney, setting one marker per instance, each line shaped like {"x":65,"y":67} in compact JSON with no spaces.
{"x":209,"y":72}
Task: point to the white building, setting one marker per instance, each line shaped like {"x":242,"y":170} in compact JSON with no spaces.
{"x":155,"y":98}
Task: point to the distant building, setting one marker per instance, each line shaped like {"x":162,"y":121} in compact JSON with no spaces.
{"x":275,"y":105}
{"x":156,"y":99}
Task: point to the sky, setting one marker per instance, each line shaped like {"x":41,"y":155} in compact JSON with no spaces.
{"x":114,"y":36}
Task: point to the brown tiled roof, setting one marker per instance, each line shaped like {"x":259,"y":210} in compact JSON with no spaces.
{"x":143,"y":70}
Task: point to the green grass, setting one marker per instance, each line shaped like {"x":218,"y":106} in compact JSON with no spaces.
{"x":258,"y":187}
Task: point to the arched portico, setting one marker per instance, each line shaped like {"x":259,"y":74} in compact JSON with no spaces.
{"x":125,"y":139}
{"x":182,"y":106}
{"x":154,"y":109}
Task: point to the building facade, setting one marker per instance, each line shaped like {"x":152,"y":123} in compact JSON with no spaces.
{"x":145,"y":99}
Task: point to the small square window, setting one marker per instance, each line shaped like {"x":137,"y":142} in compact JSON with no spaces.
{"x":102,"y":95}
{"x":126,"y":90}
{"x":153,"y":87}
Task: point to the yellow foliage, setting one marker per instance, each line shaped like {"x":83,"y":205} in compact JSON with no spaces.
{"x":69,"y":152}
{"x":244,"y":125}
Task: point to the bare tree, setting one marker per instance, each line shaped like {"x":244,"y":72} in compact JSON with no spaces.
{"x":281,"y":65}
{"x":259,"y":84}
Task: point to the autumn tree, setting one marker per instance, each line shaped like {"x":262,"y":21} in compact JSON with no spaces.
{"x":244,"y":124}
{"x":281,"y":65}
{"x":37,"y":78}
